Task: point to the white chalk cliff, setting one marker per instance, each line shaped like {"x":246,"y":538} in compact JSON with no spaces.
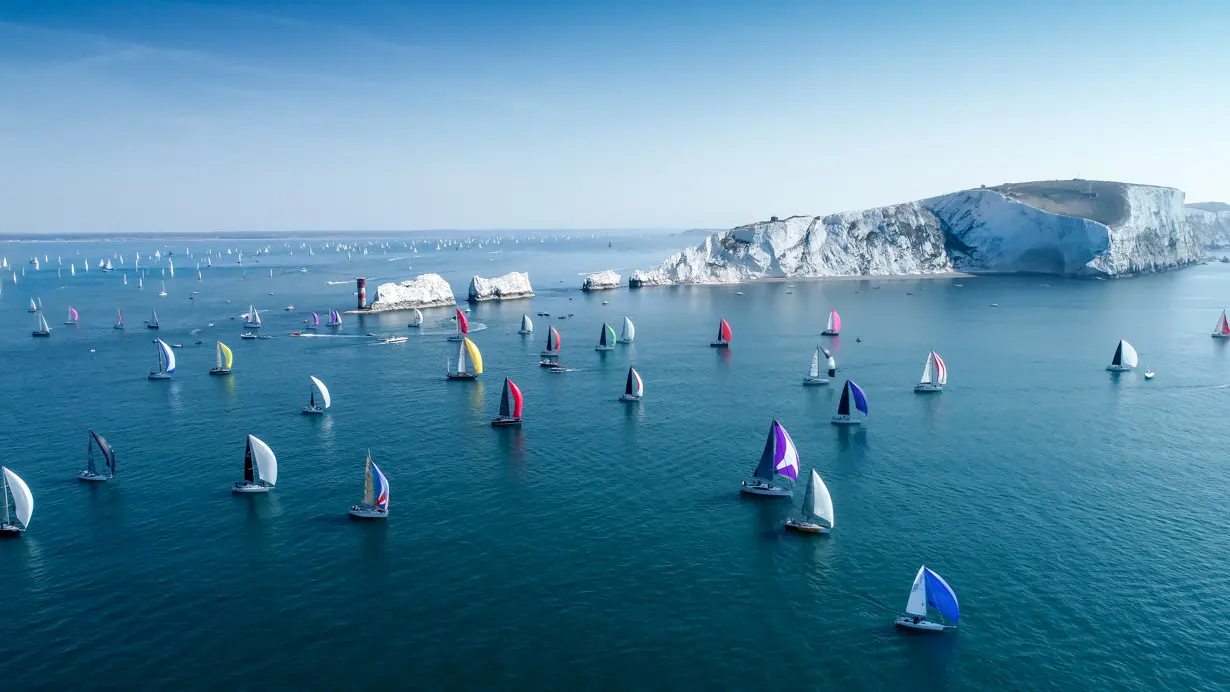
{"x":1212,"y":221}
{"x":508,"y":287}
{"x":1075,"y":227}
{"x":602,"y":280}
{"x":423,"y":291}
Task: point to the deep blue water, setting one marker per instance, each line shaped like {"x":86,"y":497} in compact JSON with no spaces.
{"x":1079,"y":515}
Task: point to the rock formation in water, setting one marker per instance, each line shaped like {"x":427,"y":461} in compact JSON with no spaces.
{"x":423,"y":291}
{"x":602,"y":281}
{"x":1071,"y":227}
{"x":508,"y":287}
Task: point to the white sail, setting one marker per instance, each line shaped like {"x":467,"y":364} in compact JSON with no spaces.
{"x":418,"y":317}
{"x":527,"y":325}
{"x":814,"y":370}
{"x":42,"y":323}
{"x":917,"y":605}
{"x":928,"y":372}
{"x":23,"y":501}
{"x":253,"y":315}
{"x":461,"y":359}
{"x":168,"y":357}
{"x":818,"y":504}
{"x":629,"y":331}
{"x":324,"y":391}
{"x":171,"y":267}
{"x":264,"y":460}
{"x":1129,"y":355}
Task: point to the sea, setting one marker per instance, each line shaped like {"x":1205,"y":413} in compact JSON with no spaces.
{"x":1079,"y":515}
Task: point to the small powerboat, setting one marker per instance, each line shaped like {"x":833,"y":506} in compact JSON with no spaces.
{"x":1149,"y":374}
{"x":247,"y":335}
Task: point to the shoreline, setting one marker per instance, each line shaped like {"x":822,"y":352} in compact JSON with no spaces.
{"x":801,"y":279}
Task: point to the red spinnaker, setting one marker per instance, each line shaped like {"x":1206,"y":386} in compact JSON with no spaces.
{"x":724,"y":331}
{"x":516,"y":394}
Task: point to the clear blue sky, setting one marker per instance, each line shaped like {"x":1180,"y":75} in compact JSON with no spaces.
{"x":146,"y":116}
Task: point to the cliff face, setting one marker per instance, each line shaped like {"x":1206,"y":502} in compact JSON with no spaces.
{"x":1075,"y":228}
{"x":508,"y":287}
{"x":1210,"y":223}
{"x":423,"y":291}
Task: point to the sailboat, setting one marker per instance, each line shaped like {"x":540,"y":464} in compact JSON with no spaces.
{"x":510,"y":406}
{"x":463,"y":327}
{"x":224,"y":359}
{"x":163,"y":292}
{"x":1222,"y":330}
{"x":834,"y":326}
{"x":92,"y":472}
{"x":813,"y":371}
{"x":170,"y":266}
{"x":120,"y":315}
{"x":375,"y":493}
{"x":935,"y":374}
{"x":606,"y":339}
{"x":417,"y":320}
{"x":23,"y":503}
{"x":779,"y":458}
{"x":33,"y":308}
{"x":629,"y":332}
{"x":166,"y":362}
{"x":252,"y":320}
{"x":41,"y":327}
{"x":335,"y":318}
{"x":723,"y":340}
{"x":141,"y":282}
{"x":851,"y":394}
{"x":125,"y":278}
{"x":72,"y":316}
{"x":313,"y":323}
{"x":476,"y":363}
{"x":153,"y":323}
{"x":930,"y":590}
{"x":527,"y":325}
{"x":634,"y":388}
{"x":553,"y":343}
{"x":1124,"y":359}
{"x":817,"y":508}
{"x":260,"y":468}
{"x":317,"y":386}
{"x":198,"y":275}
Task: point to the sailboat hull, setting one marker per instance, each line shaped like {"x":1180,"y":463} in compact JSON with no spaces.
{"x":806,"y":527}
{"x":10,"y":531}
{"x":829,"y":332}
{"x":1118,"y":368}
{"x":765,"y":489}
{"x":313,"y":410}
{"x":604,"y":348}
{"x":629,"y":397}
{"x":1219,"y":335}
{"x":519,"y":331}
{"x":549,"y":354}
{"x":812,"y":381}
{"x":159,"y":376}
{"x":505,"y":422}
{"x":924,"y":387}
{"x":414,"y":326}
{"x":40,"y":333}
{"x":720,"y":344}
{"x":117,"y":326}
{"x":845,"y":420}
{"x":91,"y":476}
{"x":219,"y":371}
{"x":368,"y":512}
{"x":244,"y":487}
{"x":456,"y":337}
{"x":922,"y":624}
{"x":249,"y":325}
{"x":151,"y":326}
{"x":461,"y":376}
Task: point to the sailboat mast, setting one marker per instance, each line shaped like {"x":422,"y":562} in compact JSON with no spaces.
{"x":4,"y":495}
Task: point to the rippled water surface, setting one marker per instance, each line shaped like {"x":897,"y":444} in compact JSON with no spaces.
{"x":1079,"y":515}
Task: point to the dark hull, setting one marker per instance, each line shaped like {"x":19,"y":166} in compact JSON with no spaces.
{"x":505,"y":422}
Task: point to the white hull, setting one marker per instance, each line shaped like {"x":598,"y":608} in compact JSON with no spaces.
{"x":247,"y":487}
{"x":815,"y":380}
{"x":313,"y":410}
{"x":928,"y":387}
{"x":522,"y":331}
{"x":769,"y":490}
{"x":1118,"y":368}
{"x":604,"y":348}
{"x":806,"y":527}
{"x":87,"y":476}
{"x":10,"y":530}
{"x":921,"y":624}
{"x":845,"y":420}
{"x":159,"y":376}
{"x":365,"y":512}
{"x":629,"y":397}
{"x":1149,"y":375}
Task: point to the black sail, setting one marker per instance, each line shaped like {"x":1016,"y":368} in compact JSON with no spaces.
{"x":247,"y":464}
{"x":843,"y":407}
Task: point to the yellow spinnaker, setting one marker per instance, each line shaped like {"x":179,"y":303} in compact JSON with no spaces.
{"x":475,"y":357}
{"x":226,"y":355}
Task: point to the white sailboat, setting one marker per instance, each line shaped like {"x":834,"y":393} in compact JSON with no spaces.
{"x":1125,"y":358}
{"x":834,"y":325}
{"x":628,"y":333}
{"x":163,"y":292}
{"x":18,"y":521}
{"x":634,"y":388}
{"x":72,"y":316}
{"x":33,"y":308}
{"x":417,"y":320}
{"x":312,"y":406}
{"x":260,"y":468}
{"x":375,"y":503}
{"x":335,"y":318}
{"x":1222,"y":328}
{"x":166,"y":361}
{"x":252,"y":320}
{"x":153,"y":322}
{"x":930,"y":590}
{"x":92,"y":472}
{"x":527,"y":325}
{"x":120,"y":316}
{"x":813,"y":371}
{"x":817,"y":508}
{"x":935,"y":374}
{"x":224,"y":358}
{"x":41,"y":328}
{"x":779,"y":458}
{"x":171,"y":267}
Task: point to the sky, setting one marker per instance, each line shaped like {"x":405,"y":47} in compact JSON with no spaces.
{"x":153,"y":116}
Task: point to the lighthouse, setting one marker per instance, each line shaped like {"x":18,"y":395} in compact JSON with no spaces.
{"x":361,"y":283}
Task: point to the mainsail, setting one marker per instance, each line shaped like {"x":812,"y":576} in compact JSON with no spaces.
{"x":817,"y":503}
{"x":375,"y":485}
{"x":934,"y":372}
